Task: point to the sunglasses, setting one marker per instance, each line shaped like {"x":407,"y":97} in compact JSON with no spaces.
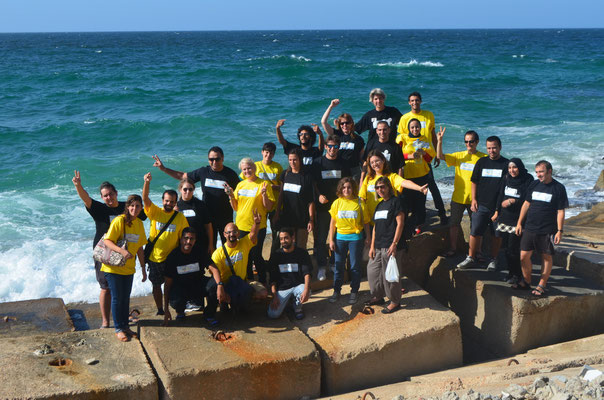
{"x":380,"y":187}
{"x":470,"y":141}
{"x":214,"y":159}
{"x":345,"y":122}
{"x":333,"y":146}
{"x":303,"y":134}
{"x":188,"y":189}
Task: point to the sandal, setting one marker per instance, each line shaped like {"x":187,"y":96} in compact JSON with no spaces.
{"x":539,"y":291}
{"x":133,"y":316}
{"x":122,"y":337}
{"x":521,"y":285}
{"x":387,"y":310}
{"x":131,"y":333}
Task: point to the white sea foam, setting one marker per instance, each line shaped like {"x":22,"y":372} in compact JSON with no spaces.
{"x":550,"y":60}
{"x":520,"y":55}
{"x":98,"y":51}
{"x":412,"y":63}
{"x":280,"y":56}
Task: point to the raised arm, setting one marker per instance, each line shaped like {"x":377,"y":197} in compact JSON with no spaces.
{"x":325,"y":117}
{"x":439,"y":143}
{"x":266,"y":201}
{"x":256,"y":227}
{"x":146,"y":198}
{"x":319,"y":133}
{"x":280,"y":137}
{"x":77,"y":182}
{"x":173,"y":173}
{"x":229,"y":191}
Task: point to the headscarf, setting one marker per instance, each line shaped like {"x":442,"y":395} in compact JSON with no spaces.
{"x":522,"y":177}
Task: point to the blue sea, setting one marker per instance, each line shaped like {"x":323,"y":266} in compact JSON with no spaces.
{"x":104,"y":103}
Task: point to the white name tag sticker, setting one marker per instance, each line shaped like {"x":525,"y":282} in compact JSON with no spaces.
{"x":267,"y":176}
{"x":283,"y":268}
{"x":371,"y":188}
{"x":187,"y":269}
{"x":381,"y":214}
{"x":248,"y":192}
{"x":111,"y":218}
{"x":492,"y":173}
{"x":188,"y":213}
{"x":235,"y":257}
{"x":512,"y":192}
{"x":132,"y":237}
{"x":347,"y":214}
{"x":347,"y":146}
{"x":292,"y":187}
{"x":307,"y":160}
{"x":331,"y":174}
{"x":467,"y":166}
{"x":215,"y":183}
{"x":540,"y":196}
{"x":170,"y":228}
{"x":423,"y":124}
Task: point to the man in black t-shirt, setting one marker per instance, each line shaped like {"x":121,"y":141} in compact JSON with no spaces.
{"x":184,"y":277}
{"x":327,"y":172}
{"x":212,"y":181}
{"x":307,"y":137}
{"x":543,"y":209}
{"x":391,"y":151}
{"x":289,"y":276}
{"x":369,"y":121}
{"x":103,"y":214}
{"x":486,"y":180}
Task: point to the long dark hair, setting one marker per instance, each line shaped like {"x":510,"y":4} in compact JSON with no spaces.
{"x":370,"y":172}
{"x":131,"y":199}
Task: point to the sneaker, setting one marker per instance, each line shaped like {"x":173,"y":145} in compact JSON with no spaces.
{"x":467,"y":263}
{"x":160,"y":312}
{"x":334,"y":297}
{"x":322,"y":274}
{"x":299,"y":315}
{"x":492,"y":265}
{"x":353,"y":298}
{"x":512,"y":279}
{"x":180,"y":317}
{"x":191,"y":306}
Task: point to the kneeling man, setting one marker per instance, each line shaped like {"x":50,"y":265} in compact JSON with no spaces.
{"x":289,"y":276}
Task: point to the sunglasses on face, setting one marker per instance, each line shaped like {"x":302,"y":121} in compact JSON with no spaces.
{"x":333,"y":146}
{"x":303,"y":134}
{"x":214,"y":159}
{"x":380,"y":187}
{"x":470,"y":141}
{"x":188,"y":189}
{"x":344,"y":122}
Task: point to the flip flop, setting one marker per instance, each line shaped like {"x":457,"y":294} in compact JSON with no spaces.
{"x":133,"y":316}
{"x":387,"y":310}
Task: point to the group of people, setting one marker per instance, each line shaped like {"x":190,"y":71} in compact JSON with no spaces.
{"x":348,"y":194}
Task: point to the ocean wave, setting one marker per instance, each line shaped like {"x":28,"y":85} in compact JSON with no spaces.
{"x":278,"y":57}
{"x":518,"y":56}
{"x":412,"y":63}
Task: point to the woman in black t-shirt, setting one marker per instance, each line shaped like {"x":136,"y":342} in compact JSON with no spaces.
{"x":197,"y":215}
{"x":387,"y":240}
{"x":295,"y":205}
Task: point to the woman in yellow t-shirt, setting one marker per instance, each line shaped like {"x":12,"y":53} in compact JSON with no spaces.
{"x":252,"y":193}
{"x":418,"y":153}
{"x":119,"y":279}
{"x":349,"y":218}
{"x":378,"y":166}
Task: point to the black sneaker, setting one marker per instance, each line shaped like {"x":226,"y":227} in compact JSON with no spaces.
{"x":160,"y":312}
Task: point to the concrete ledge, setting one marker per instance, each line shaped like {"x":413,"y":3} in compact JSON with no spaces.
{"x":361,"y":350}
{"x":263,"y":360}
{"x":503,"y":321}
{"x":584,"y":258}
{"x":34,"y":316}
{"x":121,"y":370}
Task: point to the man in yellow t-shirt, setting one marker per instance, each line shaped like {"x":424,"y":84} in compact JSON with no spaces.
{"x":238,"y":291}
{"x":426,"y":119}
{"x":166,"y":242}
{"x":464,"y":162}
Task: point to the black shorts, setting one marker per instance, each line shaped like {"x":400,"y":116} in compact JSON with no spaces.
{"x":481,"y":220}
{"x":542,"y":244}
{"x":156,"y":272}
{"x":100,"y":275}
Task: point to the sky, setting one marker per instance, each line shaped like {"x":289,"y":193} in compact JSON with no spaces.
{"x":201,"y":15}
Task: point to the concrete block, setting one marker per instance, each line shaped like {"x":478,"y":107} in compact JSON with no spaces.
{"x":30,"y":317}
{"x":506,"y":321}
{"x":584,"y":258}
{"x":361,"y":350}
{"x":263,"y":359}
{"x":67,"y":370}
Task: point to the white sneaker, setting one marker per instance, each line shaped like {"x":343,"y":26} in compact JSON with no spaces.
{"x":467,"y":263}
{"x":492,"y":265}
{"x":353,"y":298}
{"x":322,"y":274}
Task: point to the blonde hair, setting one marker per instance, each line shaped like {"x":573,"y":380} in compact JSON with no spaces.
{"x":247,"y":161}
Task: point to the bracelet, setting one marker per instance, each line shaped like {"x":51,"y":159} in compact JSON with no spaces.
{"x":220,"y":283}
{"x":560,"y":230}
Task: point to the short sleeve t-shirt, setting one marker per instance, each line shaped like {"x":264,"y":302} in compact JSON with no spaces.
{"x":385,"y":222}
{"x":238,"y":255}
{"x":546,"y":199}
{"x":135,"y":235}
{"x":327,"y":173}
{"x":512,"y":189}
{"x":426,"y":119}
{"x":198,"y":216}
{"x":170,"y":238}
{"x":368,"y":193}
{"x":287,"y":270}
{"x":307,"y":155}
{"x":415,"y":168}
{"x":350,"y":215}
{"x":487,"y":175}
{"x":371,"y":118}
{"x":392,"y":152}
{"x":187,"y":270}
{"x":350,"y":148}
{"x":297,"y":194}
{"x":249,"y":197}
{"x":212,"y":185}
{"x":464,"y":163}
{"x":102,"y":215}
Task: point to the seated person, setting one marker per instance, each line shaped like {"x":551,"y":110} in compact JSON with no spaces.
{"x":289,"y":276}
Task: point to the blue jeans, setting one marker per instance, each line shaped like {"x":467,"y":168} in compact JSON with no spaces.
{"x":120,"y":287}
{"x":284,"y":296}
{"x":356,"y":253}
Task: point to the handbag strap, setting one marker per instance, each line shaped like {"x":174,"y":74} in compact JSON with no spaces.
{"x":163,"y":228}
{"x":228,"y":260}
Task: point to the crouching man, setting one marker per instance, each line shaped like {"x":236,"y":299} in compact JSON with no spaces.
{"x":289,"y":276}
{"x":185,"y":279}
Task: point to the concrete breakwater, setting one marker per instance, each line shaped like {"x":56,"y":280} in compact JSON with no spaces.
{"x":448,"y":317}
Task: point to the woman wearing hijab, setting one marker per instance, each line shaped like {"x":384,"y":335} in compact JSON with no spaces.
{"x":510,"y":200}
